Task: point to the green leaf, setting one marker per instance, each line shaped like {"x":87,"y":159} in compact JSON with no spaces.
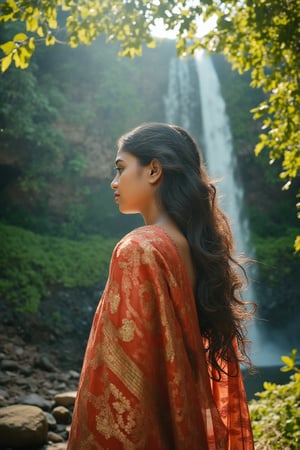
{"x":8,"y":47}
{"x":287,"y":360}
{"x":20,"y":37}
{"x":6,"y":62}
{"x":259,"y":147}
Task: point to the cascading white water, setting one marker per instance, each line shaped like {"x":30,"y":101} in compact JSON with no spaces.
{"x":177,"y":99}
{"x":216,"y":141}
{"x":219,"y":154}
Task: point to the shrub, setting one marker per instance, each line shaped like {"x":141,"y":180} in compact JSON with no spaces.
{"x":275,"y":415}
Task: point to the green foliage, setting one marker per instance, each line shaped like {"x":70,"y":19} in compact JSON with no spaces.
{"x":27,"y":114}
{"x":30,"y":264}
{"x":275,"y":255}
{"x":83,"y":21}
{"x":275,"y":416}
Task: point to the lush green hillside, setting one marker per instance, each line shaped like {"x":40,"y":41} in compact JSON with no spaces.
{"x":31,"y":264}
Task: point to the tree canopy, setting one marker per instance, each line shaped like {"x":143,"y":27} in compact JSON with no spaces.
{"x":260,"y":36}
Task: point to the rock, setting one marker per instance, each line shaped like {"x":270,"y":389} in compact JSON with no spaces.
{"x":9,"y":348}
{"x":19,"y":351}
{"x":60,"y":446}
{"x":42,"y":362}
{"x":8,"y":364}
{"x":74,"y":374}
{"x":62,"y":414}
{"x":4,"y":379}
{"x":66,"y":398}
{"x":52,"y":425}
{"x":30,"y":379}
{"x":61,"y":386}
{"x":22,"y":426}
{"x":35,"y":400}
{"x":26,"y":370}
{"x":4,"y":393}
{"x":62,"y":377}
{"x":52,"y":392}
{"x":54,"y":437}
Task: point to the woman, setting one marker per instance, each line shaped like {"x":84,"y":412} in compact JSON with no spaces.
{"x":161,"y":369}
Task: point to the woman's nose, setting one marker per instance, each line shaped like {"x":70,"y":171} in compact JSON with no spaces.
{"x":114,"y":183}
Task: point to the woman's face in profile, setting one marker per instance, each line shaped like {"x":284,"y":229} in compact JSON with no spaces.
{"x":132,"y":190}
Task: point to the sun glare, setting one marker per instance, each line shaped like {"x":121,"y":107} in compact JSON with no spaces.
{"x":160,"y":31}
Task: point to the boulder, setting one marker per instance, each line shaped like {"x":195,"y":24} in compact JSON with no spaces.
{"x":22,"y":426}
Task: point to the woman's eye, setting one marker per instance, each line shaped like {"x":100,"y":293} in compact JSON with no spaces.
{"x":119,"y":169}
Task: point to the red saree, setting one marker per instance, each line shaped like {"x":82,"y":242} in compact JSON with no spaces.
{"x":144,"y":382}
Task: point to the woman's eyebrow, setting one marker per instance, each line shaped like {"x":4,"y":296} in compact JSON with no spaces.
{"x":118,"y":160}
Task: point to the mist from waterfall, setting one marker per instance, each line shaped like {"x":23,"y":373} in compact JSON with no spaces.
{"x":210,"y":127}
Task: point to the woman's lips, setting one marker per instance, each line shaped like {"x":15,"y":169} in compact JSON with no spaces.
{"x":117,"y":196}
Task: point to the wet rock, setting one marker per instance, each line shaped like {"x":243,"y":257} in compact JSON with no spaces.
{"x":22,"y":426}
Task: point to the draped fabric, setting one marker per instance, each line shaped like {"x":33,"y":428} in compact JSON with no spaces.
{"x":145,"y":382}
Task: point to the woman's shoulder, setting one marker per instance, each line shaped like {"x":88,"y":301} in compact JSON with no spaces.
{"x":148,"y":238}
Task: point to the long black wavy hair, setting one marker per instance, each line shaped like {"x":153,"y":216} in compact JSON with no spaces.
{"x":189,"y":198}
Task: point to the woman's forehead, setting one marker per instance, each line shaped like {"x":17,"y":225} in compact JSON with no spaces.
{"x":123,"y":156}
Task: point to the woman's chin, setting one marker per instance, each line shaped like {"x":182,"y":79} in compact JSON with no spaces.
{"x":127,"y":211}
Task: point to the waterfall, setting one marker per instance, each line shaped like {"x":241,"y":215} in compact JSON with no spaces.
{"x":210,"y":126}
{"x":219,"y":154}
{"x":179,"y":90}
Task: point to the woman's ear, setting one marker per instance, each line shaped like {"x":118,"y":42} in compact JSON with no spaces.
{"x":155,"y":171}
